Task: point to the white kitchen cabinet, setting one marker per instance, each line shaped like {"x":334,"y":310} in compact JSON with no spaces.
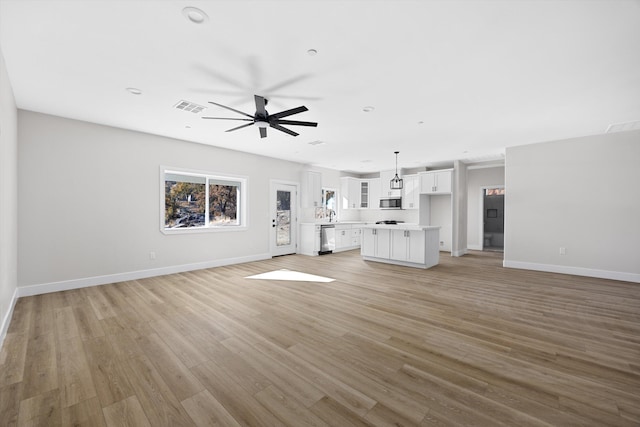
{"x":411,"y":192}
{"x":408,"y":245}
{"x":436,"y":182}
{"x":364,"y":194}
{"x":374,"y":193}
{"x":309,"y":239}
{"x":312,"y":189}
{"x":350,"y":193}
{"x":356,"y":235}
{"x":375,"y":243}
{"x":416,"y":247}
{"x":385,"y":185}
{"x":343,"y":237}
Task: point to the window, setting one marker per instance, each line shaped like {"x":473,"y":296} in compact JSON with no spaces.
{"x":202,"y":202}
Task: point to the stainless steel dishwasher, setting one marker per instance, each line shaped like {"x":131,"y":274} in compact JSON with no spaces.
{"x":327,"y":239}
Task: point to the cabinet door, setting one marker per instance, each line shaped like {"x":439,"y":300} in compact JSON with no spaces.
{"x":364,"y":194}
{"x":411,"y":192}
{"x":443,"y":182}
{"x":398,"y":245}
{"x":427,"y":183}
{"x":416,"y":246}
{"x":368,"y":247}
{"x":383,"y":243}
{"x":312,"y":189}
{"x":354,"y":193}
{"x":343,"y":238}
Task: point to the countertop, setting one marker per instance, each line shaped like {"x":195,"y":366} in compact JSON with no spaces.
{"x":403,"y":226}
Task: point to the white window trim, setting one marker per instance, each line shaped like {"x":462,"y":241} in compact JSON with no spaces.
{"x":243,"y":216}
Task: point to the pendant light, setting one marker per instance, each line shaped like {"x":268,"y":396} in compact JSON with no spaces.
{"x":396,"y":182}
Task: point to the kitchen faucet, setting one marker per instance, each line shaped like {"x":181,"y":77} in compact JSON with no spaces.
{"x":332,"y":214}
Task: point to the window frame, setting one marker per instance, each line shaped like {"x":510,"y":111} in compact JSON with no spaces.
{"x":241,"y":212}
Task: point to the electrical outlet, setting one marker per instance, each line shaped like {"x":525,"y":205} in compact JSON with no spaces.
{"x":152,"y":255}
{"x":563,"y":251}
{"x":441,"y":243}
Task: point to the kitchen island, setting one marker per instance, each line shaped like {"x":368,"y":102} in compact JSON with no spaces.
{"x":410,"y":245}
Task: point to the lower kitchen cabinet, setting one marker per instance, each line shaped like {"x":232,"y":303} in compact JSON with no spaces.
{"x":375,"y":242}
{"x":407,"y":245}
{"x":347,"y":237}
{"x":412,"y":248}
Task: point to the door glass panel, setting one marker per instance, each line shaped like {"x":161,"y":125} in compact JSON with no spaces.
{"x":283,"y":218}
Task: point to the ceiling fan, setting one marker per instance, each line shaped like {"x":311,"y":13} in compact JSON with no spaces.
{"x":262,"y":119}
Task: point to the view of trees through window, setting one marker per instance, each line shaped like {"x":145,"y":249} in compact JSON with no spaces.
{"x":187,"y":206}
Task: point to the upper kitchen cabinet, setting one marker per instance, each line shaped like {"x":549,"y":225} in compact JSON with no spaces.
{"x":350,"y":193}
{"x":312,"y":189}
{"x":385,"y":185}
{"x":359,"y":193}
{"x":436,"y":182}
{"x":411,"y":192}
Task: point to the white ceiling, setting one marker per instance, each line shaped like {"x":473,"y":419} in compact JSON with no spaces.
{"x":448,"y":79}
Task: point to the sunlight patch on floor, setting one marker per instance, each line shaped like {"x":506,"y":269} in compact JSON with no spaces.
{"x":290,"y":275}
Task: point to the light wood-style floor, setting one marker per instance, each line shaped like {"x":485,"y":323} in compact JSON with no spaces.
{"x":464,"y":343}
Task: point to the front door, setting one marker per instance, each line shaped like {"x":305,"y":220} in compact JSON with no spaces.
{"x":284,"y":221}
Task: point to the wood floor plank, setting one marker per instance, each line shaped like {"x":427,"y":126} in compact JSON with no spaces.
{"x":41,"y":370}
{"x":241,"y":405}
{"x":41,"y":410}
{"x":126,"y":413}
{"x":87,"y":413}
{"x":108,"y":374}
{"x":175,"y":374}
{"x":205,"y":410}
{"x":287,"y":409}
{"x":159,"y":403}
{"x":14,"y":359}
{"x":466,"y":342}
{"x":74,"y":376}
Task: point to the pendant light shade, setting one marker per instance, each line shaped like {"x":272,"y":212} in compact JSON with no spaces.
{"x":396,"y":182}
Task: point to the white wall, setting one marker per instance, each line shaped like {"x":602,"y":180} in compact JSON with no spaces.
{"x":477,"y":178}
{"x":582,"y":194}
{"x":89,"y":203}
{"x":8,"y":200}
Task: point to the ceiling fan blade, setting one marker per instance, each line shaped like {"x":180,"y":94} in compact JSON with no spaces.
{"x":283,"y":129}
{"x":289,"y":112}
{"x":263,"y":132}
{"x":296,"y":123}
{"x":232,"y":109}
{"x":260,"y":104}
{"x":240,"y":127}
{"x":228,"y":118}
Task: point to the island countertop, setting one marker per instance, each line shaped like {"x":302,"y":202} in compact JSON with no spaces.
{"x":402,"y":226}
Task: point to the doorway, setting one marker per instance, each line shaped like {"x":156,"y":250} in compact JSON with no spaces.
{"x":492,"y":211}
{"x":284,"y":221}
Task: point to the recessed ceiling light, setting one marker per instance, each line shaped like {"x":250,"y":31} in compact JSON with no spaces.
{"x":195,"y":15}
{"x":134,"y":91}
{"x":188,"y":127}
{"x":312,"y":52}
{"x":420,"y":122}
{"x":368,"y":109}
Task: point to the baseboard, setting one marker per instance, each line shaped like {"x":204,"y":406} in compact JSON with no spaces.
{"x":25,"y":291}
{"x":474,"y":247}
{"x":578,"y":271}
{"x":7,"y":318}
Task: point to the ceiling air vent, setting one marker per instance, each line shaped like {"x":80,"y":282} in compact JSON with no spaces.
{"x":621,"y":127}
{"x":189,"y":106}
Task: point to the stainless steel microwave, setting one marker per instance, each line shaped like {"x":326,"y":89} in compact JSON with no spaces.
{"x":393,"y":203}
